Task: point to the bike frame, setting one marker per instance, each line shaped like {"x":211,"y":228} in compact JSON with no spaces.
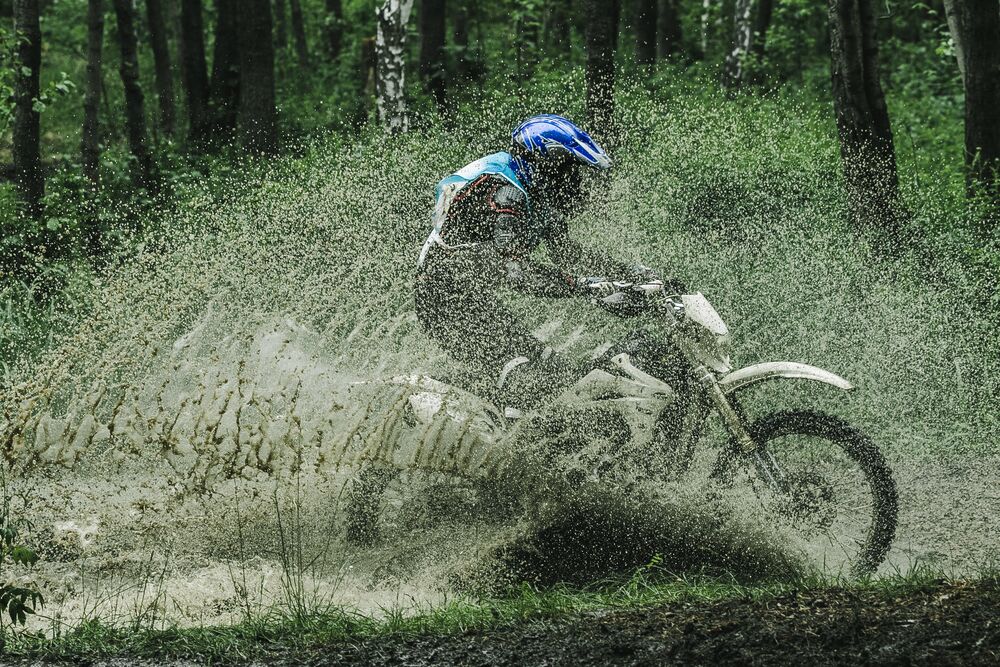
{"x":719,"y":394}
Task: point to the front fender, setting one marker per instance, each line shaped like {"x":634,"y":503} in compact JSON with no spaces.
{"x":781,"y":369}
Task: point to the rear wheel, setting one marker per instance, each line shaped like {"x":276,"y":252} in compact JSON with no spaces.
{"x":828,"y":483}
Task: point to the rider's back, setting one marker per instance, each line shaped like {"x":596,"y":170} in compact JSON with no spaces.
{"x":478,"y":204}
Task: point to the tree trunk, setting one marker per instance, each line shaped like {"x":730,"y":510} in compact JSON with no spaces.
{"x":258,"y":113}
{"x":281,"y":25}
{"x":224,"y":97}
{"x":91,"y":144}
{"x":557,"y":26}
{"x":646,"y":19}
{"x":951,"y":11}
{"x":143,"y":173}
{"x":866,"y":147}
{"x":193,"y":71}
{"x":299,"y":34}
{"x":762,"y":23}
{"x":390,"y":78}
{"x":432,"y":36}
{"x":334,"y":28}
{"x":28,"y":176}
{"x":977,"y":24}
{"x":602,"y":41}
{"x":742,"y":33}
{"x":162,"y":65}
{"x":668,"y":29}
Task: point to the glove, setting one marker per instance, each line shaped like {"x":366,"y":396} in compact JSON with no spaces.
{"x":616,"y":297}
{"x":595,"y":286}
{"x":644,"y":274}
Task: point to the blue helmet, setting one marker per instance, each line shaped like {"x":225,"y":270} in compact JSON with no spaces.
{"x":552,"y":135}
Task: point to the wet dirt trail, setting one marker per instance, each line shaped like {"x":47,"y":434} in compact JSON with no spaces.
{"x":946,"y":625}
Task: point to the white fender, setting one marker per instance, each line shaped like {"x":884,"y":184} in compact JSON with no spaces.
{"x":781,"y":369}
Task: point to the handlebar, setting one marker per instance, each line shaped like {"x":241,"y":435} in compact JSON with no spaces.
{"x":614,"y":296}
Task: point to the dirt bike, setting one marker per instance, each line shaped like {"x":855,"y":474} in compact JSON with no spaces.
{"x":815,"y":472}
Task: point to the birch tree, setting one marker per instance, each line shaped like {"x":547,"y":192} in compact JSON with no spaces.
{"x":390,"y":48}
{"x":742,"y":35}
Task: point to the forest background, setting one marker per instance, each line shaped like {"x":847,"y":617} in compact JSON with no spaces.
{"x":116,"y":111}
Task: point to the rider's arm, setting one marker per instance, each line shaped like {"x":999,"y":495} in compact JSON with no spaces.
{"x":538,"y":279}
{"x":512,"y":241}
{"x":572,"y":256}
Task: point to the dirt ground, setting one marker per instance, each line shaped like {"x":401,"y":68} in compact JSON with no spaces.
{"x":950,"y":625}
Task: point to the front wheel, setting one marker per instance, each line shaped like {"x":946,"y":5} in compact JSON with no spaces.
{"x":828,"y":483}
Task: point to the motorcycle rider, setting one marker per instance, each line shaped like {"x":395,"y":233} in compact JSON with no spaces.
{"x":489,"y":217}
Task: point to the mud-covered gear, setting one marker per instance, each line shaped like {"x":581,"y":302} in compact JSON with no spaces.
{"x":489,"y":219}
{"x":550,"y":136}
{"x":486,"y":204}
{"x":459,"y":305}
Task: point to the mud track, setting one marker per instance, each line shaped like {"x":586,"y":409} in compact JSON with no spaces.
{"x":947,"y":625}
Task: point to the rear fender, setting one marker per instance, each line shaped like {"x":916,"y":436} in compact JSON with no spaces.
{"x":786,"y":370}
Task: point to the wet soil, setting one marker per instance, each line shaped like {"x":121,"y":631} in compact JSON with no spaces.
{"x":948,"y":625}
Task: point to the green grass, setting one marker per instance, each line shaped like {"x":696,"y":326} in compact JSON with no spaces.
{"x":277,"y":631}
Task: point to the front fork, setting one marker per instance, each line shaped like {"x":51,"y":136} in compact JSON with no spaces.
{"x":736,"y":425}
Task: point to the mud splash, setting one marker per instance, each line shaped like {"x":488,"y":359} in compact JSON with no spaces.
{"x":184,"y":453}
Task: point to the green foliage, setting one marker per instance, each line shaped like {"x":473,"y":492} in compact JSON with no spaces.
{"x":58,"y":88}
{"x":16,"y":601}
{"x":36,"y":311}
{"x":796,"y":48}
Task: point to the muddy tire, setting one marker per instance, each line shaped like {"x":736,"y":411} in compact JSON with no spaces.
{"x":838,"y":490}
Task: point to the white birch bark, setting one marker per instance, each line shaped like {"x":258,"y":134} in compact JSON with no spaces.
{"x":951,"y":13}
{"x":390,"y":47}
{"x":742,"y":34}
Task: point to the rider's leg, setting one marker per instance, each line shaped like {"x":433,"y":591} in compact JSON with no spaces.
{"x":476,"y":328}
